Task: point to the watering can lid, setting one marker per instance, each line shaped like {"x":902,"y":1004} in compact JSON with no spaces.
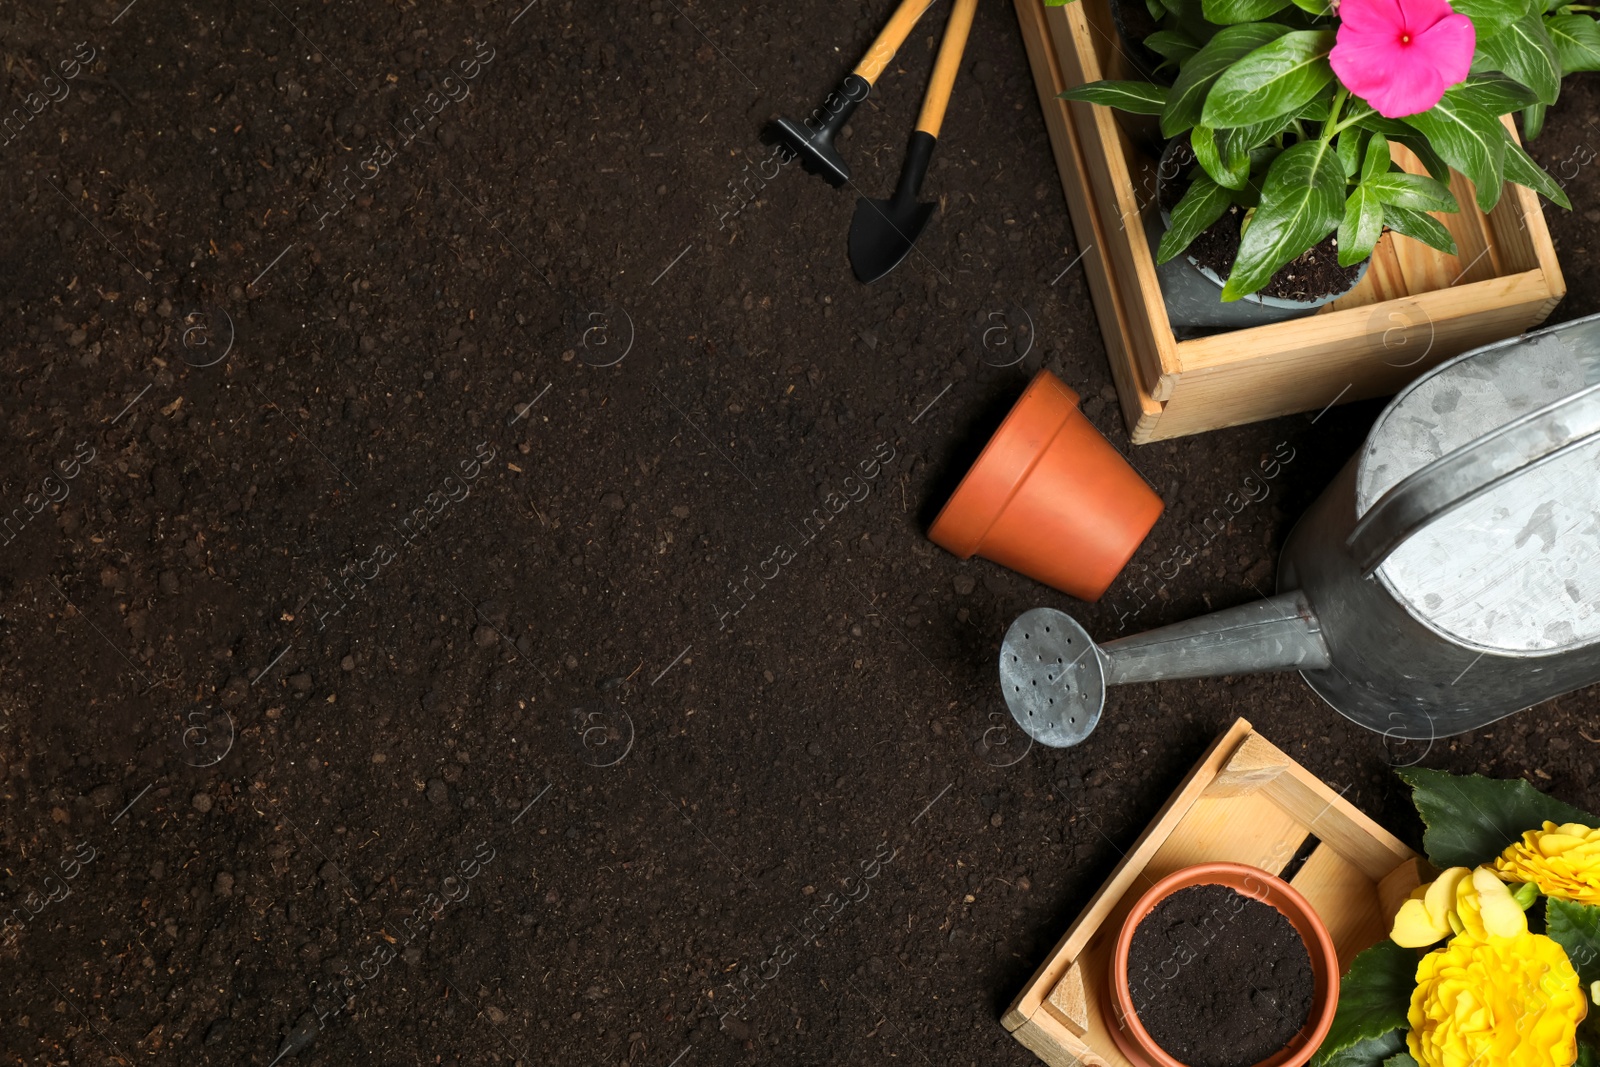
{"x":1513,"y":570}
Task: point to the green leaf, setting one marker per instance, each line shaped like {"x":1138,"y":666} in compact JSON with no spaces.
{"x":1202,"y":204}
{"x":1395,"y":130}
{"x":1469,"y":139}
{"x":1495,"y":93}
{"x":1577,"y":41}
{"x":1361,"y":228}
{"x":1524,"y":51}
{"x":1489,"y":17}
{"x":1576,"y":928}
{"x":1228,"y":164}
{"x":1172,"y":45}
{"x":1587,"y":1056}
{"x":1521,"y":168}
{"x":1532,"y":120}
{"x":1302,"y":201}
{"x":1139,"y":97}
{"x":1368,"y":1052}
{"x":1350,"y":146}
{"x":1400,"y":1059}
{"x":1419,"y":226}
{"x":1275,"y":79}
{"x":1315,"y":109}
{"x":1232,"y":12}
{"x":1373,"y":998}
{"x":1470,"y":819}
{"x":1245,"y":138}
{"x":1413,"y":191}
{"x":1320,"y":8}
{"x":1195,"y":80}
{"x":1377,"y":160}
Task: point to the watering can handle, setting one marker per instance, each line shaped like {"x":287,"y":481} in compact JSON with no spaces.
{"x":1470,"y":471}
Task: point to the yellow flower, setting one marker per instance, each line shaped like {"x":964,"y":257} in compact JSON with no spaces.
{"x":1505,"y":1002}
{"x":1459,"y":900}
{"x":1563,"y":861}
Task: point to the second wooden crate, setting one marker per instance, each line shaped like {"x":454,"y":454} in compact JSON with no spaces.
{"x":1244,"y":802}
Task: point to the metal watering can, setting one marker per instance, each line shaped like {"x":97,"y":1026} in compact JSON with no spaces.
{"x":1448,"y":577}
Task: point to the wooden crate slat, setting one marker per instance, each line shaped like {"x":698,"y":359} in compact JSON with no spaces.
{"x":1115,"y":193}
{"x":1345,"y":899}
{"x":1115,"y":326}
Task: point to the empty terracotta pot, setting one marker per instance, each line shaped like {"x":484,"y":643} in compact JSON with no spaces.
{"x":1050,"y":497}
{"x":1129,"y":1033}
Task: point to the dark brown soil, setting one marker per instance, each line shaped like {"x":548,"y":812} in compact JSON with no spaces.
{"x":1314,"y":274}
{"x":299,"y":726}
{"x":1219,"y":979}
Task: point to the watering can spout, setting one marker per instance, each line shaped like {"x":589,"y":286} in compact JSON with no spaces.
{"x":1054,"y":676}
{"x":1280,"y":633}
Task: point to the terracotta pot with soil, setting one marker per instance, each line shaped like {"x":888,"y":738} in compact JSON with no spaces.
{"x":1191,"y":284}
{"x":1223,"y":965}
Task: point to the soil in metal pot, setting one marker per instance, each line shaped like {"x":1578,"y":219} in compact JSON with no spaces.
{"x":1219,"y":979}
{"x":1314,"y":274}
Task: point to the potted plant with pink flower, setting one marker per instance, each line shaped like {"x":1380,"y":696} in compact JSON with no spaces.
{"x":1279,"y":179}
{"x":1494,"y":963}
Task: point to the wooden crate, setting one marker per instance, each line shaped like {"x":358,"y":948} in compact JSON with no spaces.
{"x":1415,"y":308}
{"x":1244,"y":802}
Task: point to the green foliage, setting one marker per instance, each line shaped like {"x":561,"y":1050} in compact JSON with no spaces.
{"x":1373,"y":998}
{"x":1523,"y":51}
{"x":1489,"y":17}
{"x":1361,"y":227}
{"x":1276,"y":79}
{"x":1469,"y":139}
{"x":1202,"y":204}
{"x":1425,"y":228}
{"x":1576,"y":928}
{"x":1470,"y":819}
{"x":1200,"y":73}
{"x":1231,"y":12}
{"x":1577,"y":42}
{"x":1139,"y":97}
{"x":1521,"y":168}
{"x":1272,"y":128}
{"x":1302,"y":200}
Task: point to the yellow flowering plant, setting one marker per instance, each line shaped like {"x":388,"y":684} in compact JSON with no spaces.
{"x":1495,"y":962}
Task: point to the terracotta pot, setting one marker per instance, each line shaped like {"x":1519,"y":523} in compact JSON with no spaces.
{"x":1050,"y":497}
{"x":1135,"y":1041}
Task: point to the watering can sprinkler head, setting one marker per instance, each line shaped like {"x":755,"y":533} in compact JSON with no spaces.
{"x":1053,"y":677}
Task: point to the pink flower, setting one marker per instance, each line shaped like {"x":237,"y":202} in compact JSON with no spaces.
{"x":1401,"y":55}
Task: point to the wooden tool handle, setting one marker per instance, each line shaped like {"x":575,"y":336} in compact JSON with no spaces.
{"x":893,"y":35}
{"x":945,"y":67}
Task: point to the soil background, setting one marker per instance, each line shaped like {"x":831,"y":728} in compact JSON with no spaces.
{"x":376,"y":690}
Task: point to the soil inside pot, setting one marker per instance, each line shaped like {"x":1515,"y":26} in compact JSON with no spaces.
{"x":1219,"y":979}
{"x":1315,"y":274}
